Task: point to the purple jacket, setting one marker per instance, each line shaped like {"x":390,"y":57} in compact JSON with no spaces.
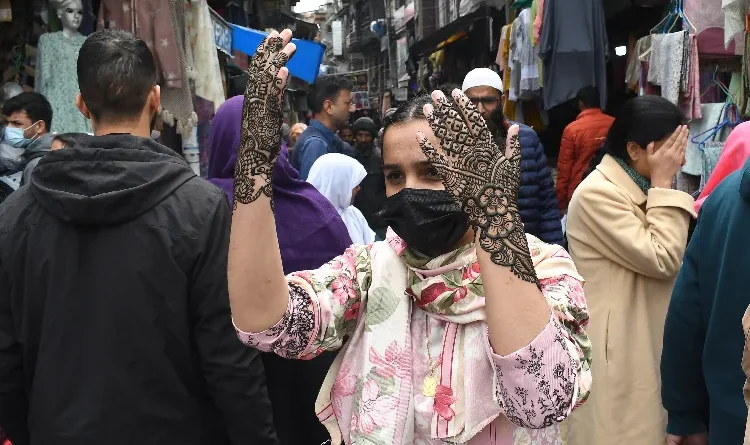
{"x":309,"y":229}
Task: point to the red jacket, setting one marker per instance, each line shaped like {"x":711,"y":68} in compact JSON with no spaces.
{"x":580,"y":141}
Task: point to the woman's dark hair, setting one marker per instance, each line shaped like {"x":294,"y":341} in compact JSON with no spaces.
{"x":642,"y":120}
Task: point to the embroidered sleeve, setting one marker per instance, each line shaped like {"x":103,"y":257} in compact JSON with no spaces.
{"x":323,"y":308}
{"x":542,"y":383}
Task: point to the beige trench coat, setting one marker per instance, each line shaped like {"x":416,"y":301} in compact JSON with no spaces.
{"x":628,"y":247}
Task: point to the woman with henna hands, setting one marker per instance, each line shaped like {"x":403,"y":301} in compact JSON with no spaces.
{"x":458,"y":327}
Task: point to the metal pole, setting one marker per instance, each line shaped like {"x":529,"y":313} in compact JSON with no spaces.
{"x":388,"y":40}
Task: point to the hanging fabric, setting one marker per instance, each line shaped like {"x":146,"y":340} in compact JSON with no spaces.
{"x":538,"y":23}
{"x":734,"y":19}
{"x":208,"y":79}
{"x":525,"y":57}
{"x":672,"y":56}
{"x":691,"y":101}
{"x":151,"y":20}
{"x":177,"y":102}
{"x":502,"y":51}
{"x":693,"y":155}
{"x":573,"y":47}
{"x":708,"y":19}
{"x":711,"y":141}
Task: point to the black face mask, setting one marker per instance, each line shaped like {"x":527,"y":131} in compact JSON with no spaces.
{"x":429,"y":221}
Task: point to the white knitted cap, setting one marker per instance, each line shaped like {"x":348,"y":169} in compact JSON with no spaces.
{"x":482,"y":77}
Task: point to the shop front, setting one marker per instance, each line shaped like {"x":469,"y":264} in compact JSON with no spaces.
{"x":189,"y":40}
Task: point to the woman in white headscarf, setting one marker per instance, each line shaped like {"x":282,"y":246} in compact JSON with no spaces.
{"x":337,"y":177}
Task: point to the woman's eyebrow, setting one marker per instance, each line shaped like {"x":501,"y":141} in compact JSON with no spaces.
{"x":390,"y":166}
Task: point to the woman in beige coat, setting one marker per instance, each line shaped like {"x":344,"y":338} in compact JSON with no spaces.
{"x":627,"y":231}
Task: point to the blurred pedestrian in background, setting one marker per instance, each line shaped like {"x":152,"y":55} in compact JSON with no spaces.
{"x":330,"y":99}
{"x":580,"y":141}
{"x":536,"y":197}
{"x":338,"y":178}
{"x":371,"y":197}
{"x":294,"y":134}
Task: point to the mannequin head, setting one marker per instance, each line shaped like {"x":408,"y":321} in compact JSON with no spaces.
{"x":70,"y":13}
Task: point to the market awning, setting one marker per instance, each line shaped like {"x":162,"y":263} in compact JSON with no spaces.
{"x":305,"y":63}
{"x":430,"y":43}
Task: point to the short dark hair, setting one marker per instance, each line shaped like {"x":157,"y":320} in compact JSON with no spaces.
{"x":589,"y":97}
{"x":116,"y":72}
{"x":326,"y":88}
{"x":34,"y":104}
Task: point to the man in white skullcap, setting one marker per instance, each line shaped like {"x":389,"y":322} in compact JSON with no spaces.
{"x":537,"y":200}
{"x":485,"y":90}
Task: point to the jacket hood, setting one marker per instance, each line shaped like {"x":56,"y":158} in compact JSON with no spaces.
{"x":106,"y":180}
{"x":40,"y":145}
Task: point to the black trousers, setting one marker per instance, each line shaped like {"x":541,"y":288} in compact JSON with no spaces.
{"x":293,"y":387}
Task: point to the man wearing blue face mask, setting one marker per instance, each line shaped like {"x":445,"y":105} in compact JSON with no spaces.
{"x":26,"y":137}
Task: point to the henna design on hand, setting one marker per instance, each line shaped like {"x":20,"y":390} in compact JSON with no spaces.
{"x":260,"y":141}
{"x":483,"y":179}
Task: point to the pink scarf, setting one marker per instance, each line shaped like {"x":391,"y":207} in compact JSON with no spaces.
{"x":370,"y":382}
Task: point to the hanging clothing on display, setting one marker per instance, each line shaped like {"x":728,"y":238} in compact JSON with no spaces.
{"x":573,"y":47}
{"x":656,"y":60}
{"x":672,"y":55}
{"x":514,"y":63}
{"x":534,"y":11}
{"x":502,"y":53}
{"x":712,"y":114}
{"x":177,"y":103}
{"x":525,"y":57}
{"x":708,"y":19}
{"x":732,"y":158}
{"x":208,"y":80}
{"x":151,"y":20}
{"x":734,"y":19}
{"x":57,"y":80}
{"x":633,"y":71}
{"x":538,"y":23}
{"x":691,"y":100}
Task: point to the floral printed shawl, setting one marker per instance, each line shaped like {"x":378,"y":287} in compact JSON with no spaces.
{"x":376,"y":369}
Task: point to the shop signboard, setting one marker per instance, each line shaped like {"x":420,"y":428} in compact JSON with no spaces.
{"x":402,"y":54}
{"x":360,"y":88}
{"x":338,"y":38}
{"x":358,"y":79}
{"x":222,"y":33}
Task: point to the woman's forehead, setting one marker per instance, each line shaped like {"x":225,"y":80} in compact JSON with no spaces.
{"x":400,"y":145}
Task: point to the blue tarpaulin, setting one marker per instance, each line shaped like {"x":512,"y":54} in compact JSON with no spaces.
{"x":305,"y":63}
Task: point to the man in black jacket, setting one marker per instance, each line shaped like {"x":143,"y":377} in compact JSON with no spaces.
{"x":371,"y":196}
{"x":114,"y":313}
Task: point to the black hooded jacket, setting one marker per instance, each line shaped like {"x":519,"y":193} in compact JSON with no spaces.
{"x":114,"y":313}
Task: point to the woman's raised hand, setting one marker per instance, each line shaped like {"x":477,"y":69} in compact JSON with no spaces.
{"x":666,"y":161}
{"x":482,"y":178}
{"x":260,"y":141}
